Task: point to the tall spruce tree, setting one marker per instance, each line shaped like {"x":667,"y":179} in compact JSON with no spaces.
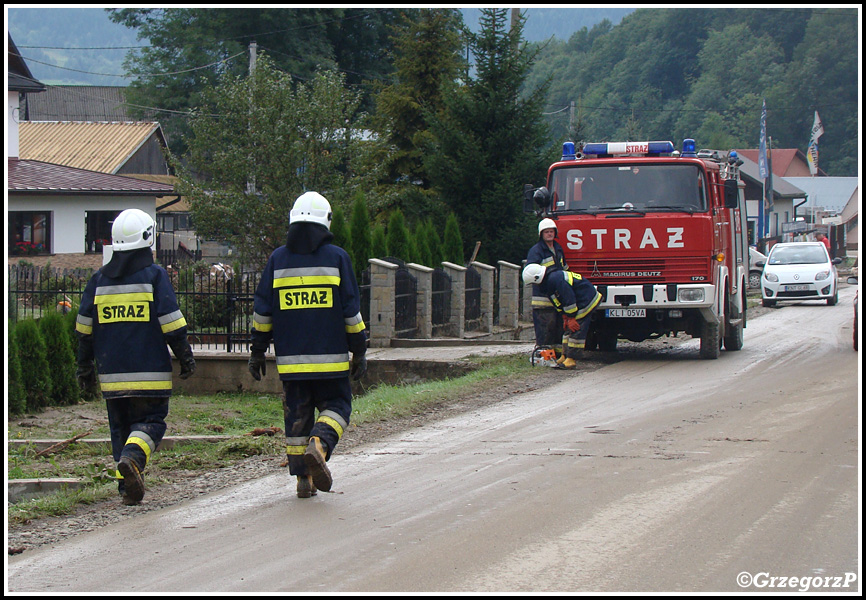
{"x":489,"y":140}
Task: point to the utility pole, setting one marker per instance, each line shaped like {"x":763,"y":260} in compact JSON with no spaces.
{"x":251,"y":183}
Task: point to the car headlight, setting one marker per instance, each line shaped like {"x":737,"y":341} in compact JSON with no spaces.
{"x":822,"y":275}
{"x":771,"y":276}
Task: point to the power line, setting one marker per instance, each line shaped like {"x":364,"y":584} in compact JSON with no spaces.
{"x":224,"y":60}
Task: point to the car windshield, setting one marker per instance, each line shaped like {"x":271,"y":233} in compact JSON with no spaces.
{"x":798,"y":255}
{"x":638,"y":187}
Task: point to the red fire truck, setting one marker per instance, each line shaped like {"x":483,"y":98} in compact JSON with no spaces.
{"x":660,"y":233}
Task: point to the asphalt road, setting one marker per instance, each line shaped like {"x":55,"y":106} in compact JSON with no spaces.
{"x":660,"y":473}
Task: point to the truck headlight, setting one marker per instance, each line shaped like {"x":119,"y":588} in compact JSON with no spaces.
{"x":690,"y":295}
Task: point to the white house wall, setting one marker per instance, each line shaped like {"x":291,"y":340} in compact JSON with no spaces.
{"x":12,"y":123}
{"x":67,"y":214}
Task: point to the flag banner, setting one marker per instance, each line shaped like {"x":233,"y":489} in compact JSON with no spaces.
{"x":762,"y":155}
{"x":812,"y":154}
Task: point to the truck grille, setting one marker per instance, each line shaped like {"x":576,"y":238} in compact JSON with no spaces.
{"x":665,"y":270}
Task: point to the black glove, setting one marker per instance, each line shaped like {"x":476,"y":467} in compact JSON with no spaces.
{"x":359,"y":366}
{"x":256,"y":364}
{"x":86,"y":376}
{"x":183,"y":353}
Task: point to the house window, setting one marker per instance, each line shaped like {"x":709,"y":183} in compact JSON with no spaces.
{"x":29,"y":233}
{"x":98,"y":229}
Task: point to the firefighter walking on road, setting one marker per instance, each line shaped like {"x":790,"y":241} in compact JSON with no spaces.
{"x":573,"y":296}
{"x":308,"y":302}
{"x":128,"y":317}
{"x":546,"y":320}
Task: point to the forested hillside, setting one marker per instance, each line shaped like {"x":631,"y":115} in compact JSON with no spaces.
{"x":702,"y":73}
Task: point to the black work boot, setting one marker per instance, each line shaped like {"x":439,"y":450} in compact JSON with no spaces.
{"x":315,"y":457}
{"x":306,"y":488}
{"x":133,"y":483}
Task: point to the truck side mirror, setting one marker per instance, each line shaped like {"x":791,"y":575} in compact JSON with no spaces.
{"x":542,"y":198}
{"x":732,"y":193}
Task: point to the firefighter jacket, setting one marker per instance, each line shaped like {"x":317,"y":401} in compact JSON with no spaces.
{"x":541,"y":254}
{"x":125,"y":322}
{"x":570,"y":293}
{"x":310,"y":305}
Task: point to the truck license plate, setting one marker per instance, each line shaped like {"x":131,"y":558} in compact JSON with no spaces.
{"x":796,"y":288}
{"x":614,"y":313}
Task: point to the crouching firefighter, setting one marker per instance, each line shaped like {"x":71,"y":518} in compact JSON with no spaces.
{"x":546,"y":320}
{"x":573,"y":296}
{"x":308,"y":302}
{"x":128,"y":317}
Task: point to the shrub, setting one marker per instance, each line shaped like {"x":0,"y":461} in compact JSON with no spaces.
{"x":453,"y":242}
{"x":61,"y":360}
{"x":362,"y":240}
{"x":35,"y":375}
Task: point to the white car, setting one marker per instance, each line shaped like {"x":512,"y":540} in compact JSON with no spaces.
{"x":799,"y":271}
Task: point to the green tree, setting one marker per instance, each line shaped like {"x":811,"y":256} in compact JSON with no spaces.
{"x":273,"y":141}
{"x":398,"y":237}
{"x":342,"y":235}
{"x":16,"y":395}
{"x":36,"y":377}
{"x":58,"y":353}
{"x":490,"y":140}
{"x":362,"y":241}
{"x":424,"y":256}
{"x":452,"y":243}
{"x":426,"y":52}
{"x":434,"y":243}
{"x":192,"y":49}
{"x":380,"y":244}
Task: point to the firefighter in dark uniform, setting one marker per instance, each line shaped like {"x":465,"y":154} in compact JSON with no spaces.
{"x":573,"y":296}
{"x":128,"y":317}
{"x":308,"y":302}
{"x":545,"y":318}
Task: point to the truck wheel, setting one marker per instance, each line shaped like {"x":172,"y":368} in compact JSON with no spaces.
{"x":711,"y":340}
{"x":734,"y":337}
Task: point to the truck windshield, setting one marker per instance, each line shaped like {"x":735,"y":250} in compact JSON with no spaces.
{"x":634,"y":187}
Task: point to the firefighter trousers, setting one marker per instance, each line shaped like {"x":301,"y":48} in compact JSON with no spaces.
{"x":548,"y":328}
{"x":137,"y":426}
{"x":332,"y":398}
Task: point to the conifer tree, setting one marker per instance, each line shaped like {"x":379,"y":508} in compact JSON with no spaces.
{"x":398,"y":236}
{"x":489,"y":140}
{"x":362,"y":239}
{"x":58,"y":353}
{"x":453,"y":242}
{"x":380,"y":244}
{"x":15,"y":388}
{"x":422,"y":248}
{"x":342,"y":235}
{"x":35,"y":375}
{"x":434,"y":243}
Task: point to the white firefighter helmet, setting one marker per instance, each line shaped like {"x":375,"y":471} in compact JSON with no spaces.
{"x":533,"y":273}
{"x":132,"y":229}
{"x":311,"y":207}
{"x":546,"y":224}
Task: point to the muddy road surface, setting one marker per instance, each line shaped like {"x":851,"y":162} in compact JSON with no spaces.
{"x":661,"y":472}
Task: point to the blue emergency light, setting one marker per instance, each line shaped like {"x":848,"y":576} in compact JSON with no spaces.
{"x":612,"y":148}
{"x":568,"y":151}
{"x":689,"y":147}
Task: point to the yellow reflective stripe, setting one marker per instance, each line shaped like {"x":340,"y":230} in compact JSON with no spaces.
{"x":117,"y":475}
{"x":314,"y":367}
{"x":589,"y":308}
{"x":307,"y":280}
{"x":355,"y":328}
{"x":121,"y":298}
{"x":118,"y":386}
{"x":84,"y":329}
{"x":538,"y":302}
{"x":141,"y":444}
{"x":295,"y":450}
{"x":174,"y":325}
{"x":262,"y":323}
{"x":332,"y":423}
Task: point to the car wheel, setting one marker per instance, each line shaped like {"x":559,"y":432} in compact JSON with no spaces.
{"x":833,"y":300}
{"x":754,"y":279}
